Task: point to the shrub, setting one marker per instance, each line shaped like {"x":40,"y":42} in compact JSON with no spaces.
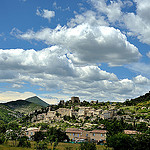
{"x":87,"y":146}
{"x":23,"y":142}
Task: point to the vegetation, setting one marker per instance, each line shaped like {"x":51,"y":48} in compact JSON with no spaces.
{"x":22,"y":106}
{"x":87,"y":146}
{"x":7,"y":115}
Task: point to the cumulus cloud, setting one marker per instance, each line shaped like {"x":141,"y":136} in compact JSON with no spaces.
{"x":112,"y":10}
{"x":88,"y":44}
{"x":139,"y":23}
{"x":47,"y":14}
{"x":50,"y":60}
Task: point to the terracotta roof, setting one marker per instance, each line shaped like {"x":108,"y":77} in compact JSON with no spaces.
{"x":131,"y":132}
{"x":32,"y":128}
{"x":74,"y":130}
{"x":98,"y":131}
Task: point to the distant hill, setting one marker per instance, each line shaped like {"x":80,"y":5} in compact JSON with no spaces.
{"x":140,"y":99}
{"x":22,"y":106}
{"x":37,"y":100}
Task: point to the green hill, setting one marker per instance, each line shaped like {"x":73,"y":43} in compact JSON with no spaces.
{"x":140,"y":99}
{"x":8,"y":115}
{"x":37,"y":100}
{"x":22,"y":106}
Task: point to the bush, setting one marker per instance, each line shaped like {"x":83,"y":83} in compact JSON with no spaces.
{"x":42,"y":145}
{"x":2,"y":138}
{"x":87,"y":146}
{"x":23,"y":142}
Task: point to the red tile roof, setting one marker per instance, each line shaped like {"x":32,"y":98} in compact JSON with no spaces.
{"x":98,"y":131}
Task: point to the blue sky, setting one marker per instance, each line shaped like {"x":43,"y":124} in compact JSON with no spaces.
{"x":97,"y":50}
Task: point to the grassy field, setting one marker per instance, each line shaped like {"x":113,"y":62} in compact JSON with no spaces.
{"x":61,"y":146}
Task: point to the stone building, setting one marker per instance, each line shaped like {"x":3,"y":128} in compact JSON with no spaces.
{"x":75,"y":134}
{"x":75,"y":100}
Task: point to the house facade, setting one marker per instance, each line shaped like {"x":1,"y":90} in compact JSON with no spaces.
{"x":75,"y":134}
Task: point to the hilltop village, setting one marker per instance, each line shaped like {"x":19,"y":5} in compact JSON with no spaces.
{"x":83,"y":120}
{"x":82,"y":111}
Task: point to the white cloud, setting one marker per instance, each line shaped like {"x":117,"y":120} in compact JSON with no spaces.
{"x":47,"y":14}
{"x":142,"y":68}
{"x":11,"y":95}
{"x":89,"y":44}
{"x":50,"y":60}
{"x":112,"y":10}
{"x":148,"y":54}
{"x":139,"y":23}
{"x":141,"y":80}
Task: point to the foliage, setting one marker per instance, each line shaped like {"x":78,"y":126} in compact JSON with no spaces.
{"x":142,"y":142}
{"x":142,"y":127}
{"x":54,"y":134}
{"x":2,"y":127}
{"x":87,"y":146}
{"x":23,"y":142}
{"x":6,"y":114}
{"x":42,"y":145}
{"x":2,"y":138}
{"x":137,"y":100}
{"x":38,"y":136}
{"x":120,"y":141}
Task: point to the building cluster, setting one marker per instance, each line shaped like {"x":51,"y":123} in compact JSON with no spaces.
{"x":79,"y":135}
{"x":81,"y":113}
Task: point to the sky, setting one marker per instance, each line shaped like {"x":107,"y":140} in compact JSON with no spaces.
{"x":56,"y":49}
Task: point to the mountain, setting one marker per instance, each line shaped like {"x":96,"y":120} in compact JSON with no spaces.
{"x":22,"y":106}
{"x":37,"y":100}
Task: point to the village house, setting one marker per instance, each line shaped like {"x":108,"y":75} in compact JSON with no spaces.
{"x":31,"y":131}
{"x":131,"y":132}
{"x":98,"y":135}
{"x":75,"y":134}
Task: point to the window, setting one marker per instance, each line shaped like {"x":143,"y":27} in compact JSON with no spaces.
{"x":31,"y":133}
{"x":78,"y":135}
{"x":93,"y":134}
{"x":86,"y":135}
{"x":73,"y":134}
{"x":70,"y":134}
{"x":101,"y":134}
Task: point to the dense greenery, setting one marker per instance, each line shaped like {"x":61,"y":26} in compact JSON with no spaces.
{"x":137,"y":100}
{"x":6,"y":114}
{"x":122,"y":141}
{"x":87,"y":146}
{"x":22,"y":106}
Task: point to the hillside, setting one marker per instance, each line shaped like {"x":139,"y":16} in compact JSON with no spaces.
{"x":8,"y":115}
{"x":22,"y":106}
{"x":37,"y":101}
{"x":140,"y":99}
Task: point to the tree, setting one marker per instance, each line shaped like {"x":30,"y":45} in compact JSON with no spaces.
{"x":121,"y":141}
{"x":142,"y":142}
{"x":39,"y":136}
